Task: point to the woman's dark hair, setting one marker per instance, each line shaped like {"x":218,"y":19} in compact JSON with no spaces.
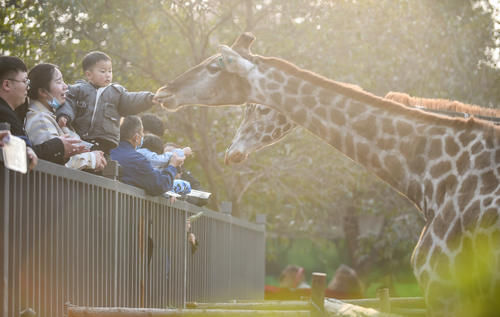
{"x":153,"y":143}
{"x":40,"y":76}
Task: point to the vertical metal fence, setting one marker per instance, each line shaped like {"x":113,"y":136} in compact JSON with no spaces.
{"x":69,"y":236}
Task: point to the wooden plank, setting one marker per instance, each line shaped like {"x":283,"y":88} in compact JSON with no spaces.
{"x":76,"y":311}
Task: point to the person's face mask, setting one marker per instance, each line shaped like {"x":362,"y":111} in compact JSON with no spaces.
{"x":53,"y":103}
{"x":140,"y":144}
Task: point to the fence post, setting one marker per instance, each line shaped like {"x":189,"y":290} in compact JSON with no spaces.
{"x":5,"y":232}
{"x":318,"y":293}
{"x":383,"y":296}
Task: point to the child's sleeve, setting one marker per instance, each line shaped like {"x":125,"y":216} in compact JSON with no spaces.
{"x":132,"y":103}
{"x":68,"y":109}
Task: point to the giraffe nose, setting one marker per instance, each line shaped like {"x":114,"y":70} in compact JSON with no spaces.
{"x":234,"y":156}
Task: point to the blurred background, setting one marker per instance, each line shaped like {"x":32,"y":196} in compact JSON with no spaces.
{"x":322,"y":209}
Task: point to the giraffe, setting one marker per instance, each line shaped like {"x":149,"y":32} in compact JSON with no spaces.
{"x":448,"y":167}
{"x":262,"y":126}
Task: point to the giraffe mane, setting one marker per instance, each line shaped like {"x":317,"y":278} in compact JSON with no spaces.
{"x":357,"y":93}
{"x":442,"y":104}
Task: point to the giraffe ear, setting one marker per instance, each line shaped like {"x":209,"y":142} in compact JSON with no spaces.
{"x":243,"y":43}
{"x":233,"y":62}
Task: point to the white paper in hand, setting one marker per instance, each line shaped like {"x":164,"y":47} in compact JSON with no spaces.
{"x":14,"y":155}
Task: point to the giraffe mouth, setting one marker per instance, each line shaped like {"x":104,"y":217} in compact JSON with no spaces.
{"x":234,"y":157}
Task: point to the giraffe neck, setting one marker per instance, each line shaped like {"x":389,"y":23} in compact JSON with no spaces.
{"x":396,"y":143}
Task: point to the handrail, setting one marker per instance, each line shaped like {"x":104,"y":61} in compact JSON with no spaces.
{"x":71,"y":236}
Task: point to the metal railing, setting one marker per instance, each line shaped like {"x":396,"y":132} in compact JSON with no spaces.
{"x":70,"y":236}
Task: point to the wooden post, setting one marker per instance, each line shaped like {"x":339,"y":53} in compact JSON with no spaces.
{"x":318,"y":293}
{"x":383,"y":296}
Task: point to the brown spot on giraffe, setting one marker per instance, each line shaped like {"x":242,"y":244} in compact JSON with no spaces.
{"x":489,"y":218}
{"x":477,"y":148}
{"x":276,"y":97}
{"x":453,"y":240}
{"x":320,"y":111}
{"x":489,"y":182}
{"x":337,"y":117}
{"x":308,"y":101}
{"x":355,"y":109}
{"x":307,"y":89}
{"x":387,"y":126}
{"x":471,"y":216}
{"x":463,"y":163}
{"x":467,"y":190}
{"x":440,"y":169}
{"x":415,"y":191}
{"x":394,"y":164}
{"x":363,"y":150}
{"x":277,"y":76}
{"x":403,"y":128}
{"x":451,"y":146}
{"x":446,"y":185}
{"x":436,"y":149}
{"x":273,"y":86}
{"x":365,"y":127}
{"x":482,"y":161}
{"x":424,"y":250}
{"x":466,"y":137}
{"x":292,"y":86}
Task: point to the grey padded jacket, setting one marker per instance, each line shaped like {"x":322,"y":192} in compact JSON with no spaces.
{"x":95,"y":113}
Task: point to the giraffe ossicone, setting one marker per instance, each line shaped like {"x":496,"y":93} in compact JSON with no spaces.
{"x":449,"y":168}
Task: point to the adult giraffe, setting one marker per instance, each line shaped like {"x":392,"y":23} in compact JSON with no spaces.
{"x":262,"y":126}
{"x":450,"y":168}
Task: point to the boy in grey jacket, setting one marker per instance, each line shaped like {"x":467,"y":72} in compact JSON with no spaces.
{"x":94,"y":107}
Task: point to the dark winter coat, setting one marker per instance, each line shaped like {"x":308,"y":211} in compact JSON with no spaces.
{"x":101,"y":120}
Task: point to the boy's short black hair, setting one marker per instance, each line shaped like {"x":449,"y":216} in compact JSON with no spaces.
{"x":10,"y":65}
{"x":153,"y":124}
{"x":129,"y":127}
{"x":153,"y":143}
{"x":93,"y":58}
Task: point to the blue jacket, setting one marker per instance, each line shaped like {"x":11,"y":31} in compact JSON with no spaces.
{"x":137,"y":170}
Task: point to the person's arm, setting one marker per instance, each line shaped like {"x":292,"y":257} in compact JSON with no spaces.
{"x":157,"y":160}
{"x":154,"y":182}
{"x":132,"y":103}
{"x":94,"y":160}
{"x":51,"y":150}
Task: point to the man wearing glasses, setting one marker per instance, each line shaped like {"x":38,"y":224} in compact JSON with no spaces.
{"x":14,"y":84}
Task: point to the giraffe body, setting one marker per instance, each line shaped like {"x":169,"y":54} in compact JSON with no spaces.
{"x":449,"y":168}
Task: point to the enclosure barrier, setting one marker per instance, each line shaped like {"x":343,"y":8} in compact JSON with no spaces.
{"x":70,"y":236}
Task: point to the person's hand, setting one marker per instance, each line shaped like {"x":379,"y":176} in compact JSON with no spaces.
{"x":100,"y":160}
{"x":176,"y":161}
{"x":192,"y":239}
{"x":4,"y":137}
{"x":32,"y":157}
{"x":188,"y":225}
{"x":155,"y":100}
{"x":62,"y":121}
{"x":72,"y":146}
{"x":187,"y":151}
{"x":172,"y":199}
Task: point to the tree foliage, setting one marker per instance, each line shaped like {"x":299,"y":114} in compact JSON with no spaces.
{"x":427,"y":48}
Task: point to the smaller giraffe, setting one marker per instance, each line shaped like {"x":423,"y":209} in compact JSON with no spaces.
{"x":263,"y":126}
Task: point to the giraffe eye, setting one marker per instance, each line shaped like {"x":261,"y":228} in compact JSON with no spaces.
{"x":212,"y":68}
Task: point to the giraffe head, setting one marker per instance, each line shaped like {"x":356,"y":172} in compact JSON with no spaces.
{"x":261,"y":126}
{"x":219,"y":80}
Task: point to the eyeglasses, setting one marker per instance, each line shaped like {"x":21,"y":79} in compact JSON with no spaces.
{"x":25,"y":81}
